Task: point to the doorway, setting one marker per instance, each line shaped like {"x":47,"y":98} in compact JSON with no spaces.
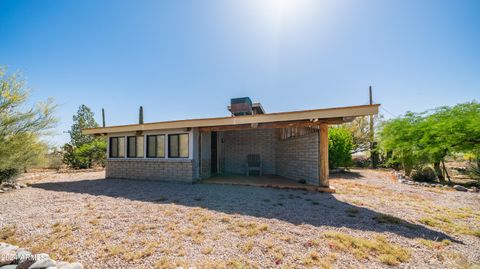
{"x":214,"y":155}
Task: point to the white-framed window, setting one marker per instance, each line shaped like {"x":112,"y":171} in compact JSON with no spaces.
{"x":167,"y":144}
{"x":156,"y":146}
{"x":178,"y":145}
{"x":135,"y":146}
{"x":117,"y":147}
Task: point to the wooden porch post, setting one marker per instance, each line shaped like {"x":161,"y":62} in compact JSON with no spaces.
{"x":323,"y":156}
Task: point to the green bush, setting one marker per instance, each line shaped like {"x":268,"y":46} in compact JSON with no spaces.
{"x":425,"y":174}
{"x":340,"y":144}
{"x":87,"y":155}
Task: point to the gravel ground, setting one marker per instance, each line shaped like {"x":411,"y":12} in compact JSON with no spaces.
{"x":106,"y":223}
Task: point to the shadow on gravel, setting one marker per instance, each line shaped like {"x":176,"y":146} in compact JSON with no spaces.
{"x":294,"y":206}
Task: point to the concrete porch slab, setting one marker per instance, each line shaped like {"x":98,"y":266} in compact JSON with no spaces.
{"x":269,"y":181}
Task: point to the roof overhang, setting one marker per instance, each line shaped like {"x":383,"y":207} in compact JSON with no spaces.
{"x":335,"y":115}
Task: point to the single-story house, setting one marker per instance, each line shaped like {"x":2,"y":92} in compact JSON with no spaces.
{"x":290,"y":144}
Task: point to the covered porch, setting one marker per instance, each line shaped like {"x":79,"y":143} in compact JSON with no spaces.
{"x":292,"y":154}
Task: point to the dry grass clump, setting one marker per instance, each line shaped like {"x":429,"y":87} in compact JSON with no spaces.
{"x":95,"y":221}
{"x":435,"y":245}
{"x":362,"y":248}
{"x":248,"y":229}
{"x":445,"y":224}
{"x":8,"y":235}
{"x":389,"y":219}
{"x":247,"y":246}
{"x":313,"y":259}
{"x":55,"y":242}
{"x":114,"y":250}
{"x":148,"y":250}
{"x":207,"y":250}
{"x":238,"y":264}
{"x":196,"y":234}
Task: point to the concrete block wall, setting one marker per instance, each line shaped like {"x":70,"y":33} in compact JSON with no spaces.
{"x":151,"y":169}
{"x":238,"y":144}
{"x":297,"y":158}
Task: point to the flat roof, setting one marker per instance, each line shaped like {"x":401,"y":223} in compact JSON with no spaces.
{"x":314,"y":114}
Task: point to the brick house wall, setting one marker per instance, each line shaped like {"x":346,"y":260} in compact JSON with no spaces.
{"x":151,"y":169}
{"x":294,"y":158}
{"x":238,"y":144}
{"x":297,"y":158}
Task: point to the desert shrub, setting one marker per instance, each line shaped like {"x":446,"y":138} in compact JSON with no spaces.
{"x":360,"y":161}
{"x":474,"y":170}
{"x":424,"y":174}
{"x":7,"y":174}
{"x":55,"y":160}
{"x":340,"y":146}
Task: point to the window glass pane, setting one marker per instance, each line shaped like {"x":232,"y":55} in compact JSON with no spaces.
{"x":151,"y":146}
{"x":131,"y":144}
{"x":160,"y":146}
{"x":113,"y":147}
{"x":184,"y":145}
{"x":121,"y":147}
{"x":173,"y":146}
{"x":139,"y":146}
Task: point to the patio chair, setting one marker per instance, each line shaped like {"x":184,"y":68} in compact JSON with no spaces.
{"x":254,"y":164}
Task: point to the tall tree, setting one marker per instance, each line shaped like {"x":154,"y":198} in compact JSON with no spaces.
{"x":428,"y":137}
{"x":83,"y":119}
{"x":20,"y":125}
{"x":84,"y":151}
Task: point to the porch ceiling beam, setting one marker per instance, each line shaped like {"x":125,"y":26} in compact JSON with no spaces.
{"x":272,"y":125}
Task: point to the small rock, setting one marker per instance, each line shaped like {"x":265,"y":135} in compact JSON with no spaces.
{"x":460,"y":188}
{"x":23,"y":255}
{"x":16,"y":187}
{"x":10,"y":247}
{"x":11,"y":266}
{"x":43,"y":263}
{"x":25,"y":264}
{"x":7,"y":256}
{"x":473,"y":189}
{"x":5,"y":189}
{"x":1,"y":191}
{"x":22,"y":185}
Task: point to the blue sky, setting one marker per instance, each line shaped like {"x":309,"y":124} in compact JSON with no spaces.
{"x":185,"y":59}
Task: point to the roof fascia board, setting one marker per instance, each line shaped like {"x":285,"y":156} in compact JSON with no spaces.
{"x":339,"y":112}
